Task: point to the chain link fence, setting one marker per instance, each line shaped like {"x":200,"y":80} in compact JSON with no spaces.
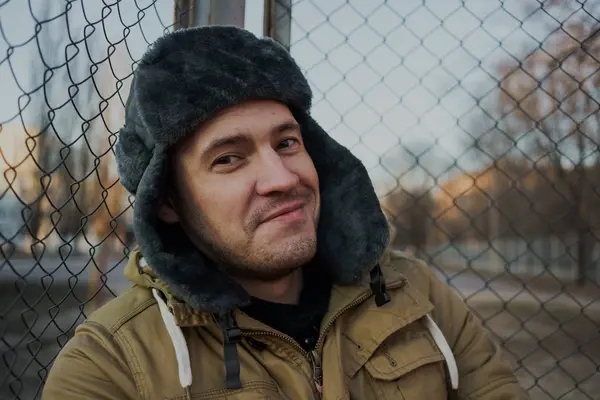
{"x":478,"y":120}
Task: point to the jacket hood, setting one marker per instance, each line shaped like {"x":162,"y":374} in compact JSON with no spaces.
{"x":185,"y":78}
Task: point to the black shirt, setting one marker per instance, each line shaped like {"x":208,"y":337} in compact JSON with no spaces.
{"x":299,"y":321}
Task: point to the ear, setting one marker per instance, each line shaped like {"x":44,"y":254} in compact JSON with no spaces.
{"x":167,"y":212}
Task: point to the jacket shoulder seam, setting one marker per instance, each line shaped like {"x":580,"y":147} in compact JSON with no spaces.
{"x":130,"y":314}
{"x":411,"y":261}
{"x":133,"y":363}
{"x":419,"y":267}
{"x":120,"y":340}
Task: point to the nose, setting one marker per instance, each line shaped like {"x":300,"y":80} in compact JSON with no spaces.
{"x":273,"y":175}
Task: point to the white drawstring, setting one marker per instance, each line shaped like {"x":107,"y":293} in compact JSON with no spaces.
{"x":442,"y":344}
{"x":182,"y":353}
{"x":181,"y":350}
{"x":143,"y":263}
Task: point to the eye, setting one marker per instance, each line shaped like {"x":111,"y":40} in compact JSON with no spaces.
{"x":288,"y":143}
{"x":226,"y":160}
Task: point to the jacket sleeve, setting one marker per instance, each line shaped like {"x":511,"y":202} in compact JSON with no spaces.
{"x":483,"y":374}
{"x":91,"y":366}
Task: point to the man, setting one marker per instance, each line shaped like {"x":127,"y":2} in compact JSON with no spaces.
{"x":261,"y":270}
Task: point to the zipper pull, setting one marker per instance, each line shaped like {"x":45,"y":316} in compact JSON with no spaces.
{"x":317,"y":371}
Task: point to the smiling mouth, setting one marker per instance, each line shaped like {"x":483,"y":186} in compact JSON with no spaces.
{"x":289,"y":213}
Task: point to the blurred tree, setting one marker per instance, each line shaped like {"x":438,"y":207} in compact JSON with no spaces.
{"x":108,"y":225}
{"x":547,"y":109}
{"x":61,"y":162}
{"x":43,"y":146}
{"x":410,"y":211}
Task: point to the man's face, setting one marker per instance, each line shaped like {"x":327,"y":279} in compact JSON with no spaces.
{"x":248,"y":192}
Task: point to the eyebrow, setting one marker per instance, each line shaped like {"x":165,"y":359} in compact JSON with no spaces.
{"x":286,"y":126}
{"x":245,"y":138}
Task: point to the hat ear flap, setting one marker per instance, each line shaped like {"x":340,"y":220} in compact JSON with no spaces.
{"x":189,"y":274}
{"x":353,"y":231}
{"x":132,"y":157}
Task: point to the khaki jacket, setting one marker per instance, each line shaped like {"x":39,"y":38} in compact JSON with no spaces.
{"x":124,"y":350}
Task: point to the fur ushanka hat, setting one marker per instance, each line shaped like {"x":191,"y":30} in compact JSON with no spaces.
{"x":185,"y":78}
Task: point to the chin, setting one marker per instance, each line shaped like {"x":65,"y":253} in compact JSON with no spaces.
{"x":277,"y":260}
{"x":292,"y":252}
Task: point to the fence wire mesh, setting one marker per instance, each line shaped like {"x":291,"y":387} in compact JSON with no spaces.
{"x":478,"y":120}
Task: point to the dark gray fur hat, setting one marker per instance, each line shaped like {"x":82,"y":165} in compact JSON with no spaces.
{"x":185,"y":78}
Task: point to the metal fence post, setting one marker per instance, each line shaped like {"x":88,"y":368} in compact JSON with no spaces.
{"x":190,"y":13}
{"x":278,"y":21}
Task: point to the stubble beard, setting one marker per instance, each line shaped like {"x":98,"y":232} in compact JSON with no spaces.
{"x":268,"y":262}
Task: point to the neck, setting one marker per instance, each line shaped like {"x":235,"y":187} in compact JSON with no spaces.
{"x":285,"y":290}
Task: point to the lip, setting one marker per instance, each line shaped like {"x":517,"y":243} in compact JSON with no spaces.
{"x":286,"y":209}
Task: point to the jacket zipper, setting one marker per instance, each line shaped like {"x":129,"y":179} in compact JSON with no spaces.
{"x":316,"y":378}
{"x":317,"y":371}
{"x":315,"y":356}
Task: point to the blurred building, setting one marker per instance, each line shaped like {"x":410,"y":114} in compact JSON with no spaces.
{"x":19,"y":182}
{"x":518,"y":216}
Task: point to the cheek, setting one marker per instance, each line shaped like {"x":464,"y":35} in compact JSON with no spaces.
{"x":303,"y":166}
{"x":225,"y":200}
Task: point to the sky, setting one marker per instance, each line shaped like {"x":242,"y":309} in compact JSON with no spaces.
{"x":395,"y":81}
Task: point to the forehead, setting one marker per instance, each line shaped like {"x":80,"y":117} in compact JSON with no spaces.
{"x":251,"y":117}
{"x":254,"y":119}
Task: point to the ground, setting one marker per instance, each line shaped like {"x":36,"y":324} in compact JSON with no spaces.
{"x":549,"y":331}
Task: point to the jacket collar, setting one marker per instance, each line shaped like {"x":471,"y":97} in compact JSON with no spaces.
{"x":342,"y":296}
